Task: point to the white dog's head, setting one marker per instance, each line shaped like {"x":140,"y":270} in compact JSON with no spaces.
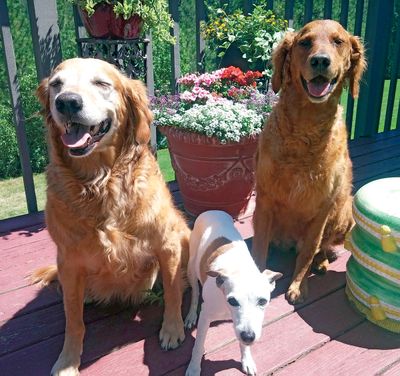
{"x":247,"y":295}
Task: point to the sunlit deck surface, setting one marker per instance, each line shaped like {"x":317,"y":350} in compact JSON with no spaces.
{"x":324,"y":336}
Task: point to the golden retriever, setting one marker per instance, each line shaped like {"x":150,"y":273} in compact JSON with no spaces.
{"x":108,"y":208}
{"x":303,"y":169}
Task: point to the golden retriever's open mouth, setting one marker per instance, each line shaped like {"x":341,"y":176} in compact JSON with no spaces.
{"x":319,"y":87}
{"x":81,"y":139}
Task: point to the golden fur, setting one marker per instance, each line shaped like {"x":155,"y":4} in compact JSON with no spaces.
{"x":304,"y":173}
{"x":110,"y":212}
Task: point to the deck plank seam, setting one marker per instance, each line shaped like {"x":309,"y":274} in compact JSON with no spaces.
{"x":314,"y":348}
{"x":388,"y":367}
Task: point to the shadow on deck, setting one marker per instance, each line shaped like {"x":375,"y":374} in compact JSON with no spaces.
{"x":323,"y":336}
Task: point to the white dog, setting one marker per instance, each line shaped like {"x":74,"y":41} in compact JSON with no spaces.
{"x":233,"y":286}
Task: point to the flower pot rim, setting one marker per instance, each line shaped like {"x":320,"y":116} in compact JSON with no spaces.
{"x":194,"y":137}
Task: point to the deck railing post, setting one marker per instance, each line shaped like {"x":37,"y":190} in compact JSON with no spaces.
{"x":357,"y":31}
{"x":289,"y":12}
{"x":379,"y":17}
{"x":200,"y":43}
{"x":150,"y":85}
{"x":175,"y":49}
{"x":19,"y":119}
{"x":45,"y":35}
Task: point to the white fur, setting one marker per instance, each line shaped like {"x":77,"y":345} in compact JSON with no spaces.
{"x":247,"y":285}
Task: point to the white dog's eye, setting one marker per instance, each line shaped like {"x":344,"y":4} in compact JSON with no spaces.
{"x":233,"y":302}
{"x":262,"y":302}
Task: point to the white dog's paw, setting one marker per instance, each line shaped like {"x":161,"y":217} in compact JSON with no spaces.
{"x":248,"y":366}
{"x":190,"y":320}
{"x":193,"y":370}
{"x":60,"y":370}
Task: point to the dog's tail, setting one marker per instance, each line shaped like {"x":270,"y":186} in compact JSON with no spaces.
{"x":44,"y":275}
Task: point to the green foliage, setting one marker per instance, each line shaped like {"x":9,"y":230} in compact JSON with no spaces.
{"x":255,"y":34}
{"x":154,"y":297}
{"x":9,"y":158}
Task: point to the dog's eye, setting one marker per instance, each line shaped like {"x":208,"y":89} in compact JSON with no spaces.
{"x":337,"y":41}
{"x":305,"y":42}
{"x":101,"y":83}
{"x":233,"y":302}
{"x":262,"y":302}
{"x":55,"y":83}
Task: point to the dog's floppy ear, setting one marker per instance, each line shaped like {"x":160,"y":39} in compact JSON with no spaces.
{"x":280,"y":60}
{"x":42,"y":93}
{"x":358,"y":65}
{"x":220,"y":278}
{"x":272,"y":276}
{"x":138,"y":105}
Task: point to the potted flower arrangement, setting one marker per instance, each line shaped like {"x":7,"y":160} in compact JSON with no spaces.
{"x":245,"y":41}
{"x":212,"y":129}
{"x":121,"y":19}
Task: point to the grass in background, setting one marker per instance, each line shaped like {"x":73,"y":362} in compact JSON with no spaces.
{"x":381,"y":126}
{"x":12,"y":194}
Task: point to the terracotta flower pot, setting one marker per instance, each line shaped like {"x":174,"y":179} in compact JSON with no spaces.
{"x":98,"y":24}
{"x":212,"y":175}
{"x":104,"y":23}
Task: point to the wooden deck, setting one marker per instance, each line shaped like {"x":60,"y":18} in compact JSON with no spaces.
{"x":324,"y":336}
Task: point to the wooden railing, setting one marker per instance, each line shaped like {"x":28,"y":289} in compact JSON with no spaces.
{"x":376,"y":18}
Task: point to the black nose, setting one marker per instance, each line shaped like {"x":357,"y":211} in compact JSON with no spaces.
{"x":69,"y":103}
{"x":248,"y":336}
{"x":320,"y":61}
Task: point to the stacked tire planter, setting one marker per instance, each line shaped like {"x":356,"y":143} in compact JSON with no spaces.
{"x":373,"y":270}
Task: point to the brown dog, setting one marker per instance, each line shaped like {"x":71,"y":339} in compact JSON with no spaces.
{"x":108,"y":208}
{"x":304,"y":173}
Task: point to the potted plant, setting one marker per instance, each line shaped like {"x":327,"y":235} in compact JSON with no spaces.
{"x":212,"y":129}
{"x":121,"y":19}
{"x":244,"y":40}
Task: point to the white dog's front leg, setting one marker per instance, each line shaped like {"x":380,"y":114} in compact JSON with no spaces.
{"x":198,"y":348}
{"x":248,"y":365}
{"x":191,"y":317}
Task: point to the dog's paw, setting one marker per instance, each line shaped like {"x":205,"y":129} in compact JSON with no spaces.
{"x":193,"y":370}
{"x":62,"y":368}
{"x":249,"y":366}
{"x":296,"y":295}
{"x":171,"y":334}
{"x":191,"y":318}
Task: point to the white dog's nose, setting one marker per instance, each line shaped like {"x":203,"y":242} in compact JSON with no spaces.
{"x":247,"y":336}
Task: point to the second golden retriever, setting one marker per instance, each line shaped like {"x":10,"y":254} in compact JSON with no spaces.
{"x":304,"y":173}
{"x":108,"y":208}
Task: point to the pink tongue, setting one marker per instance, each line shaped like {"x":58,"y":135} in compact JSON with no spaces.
{"x":318,"y":89}
{"x":76,"y":138}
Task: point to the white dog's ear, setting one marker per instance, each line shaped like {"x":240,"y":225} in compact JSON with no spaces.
{"x":220,"y":278}
{"x":272,"y":276}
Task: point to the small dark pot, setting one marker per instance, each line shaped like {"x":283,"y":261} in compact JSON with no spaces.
{"x":105,"y":24}
{"x":233,"y":56}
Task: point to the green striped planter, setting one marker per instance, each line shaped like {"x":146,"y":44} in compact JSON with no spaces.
{"x":373,"y":271}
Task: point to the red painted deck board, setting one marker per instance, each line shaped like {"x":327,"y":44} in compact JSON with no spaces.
{"x":364,"y":350}
{"x":324,"y":336}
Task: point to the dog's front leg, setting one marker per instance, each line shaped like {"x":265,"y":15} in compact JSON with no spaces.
{"x":194,"y":367}
{"x":262,"y":223}
{"x":172,"y":333}
{"x":248,"y":364}
{"x":73,"y":285}
{"x":298,"y":289}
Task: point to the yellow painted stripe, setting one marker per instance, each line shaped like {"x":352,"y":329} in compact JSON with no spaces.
{"x":371,"y":225}
{"x":372,"y":264}
{"x":363,"y":296}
